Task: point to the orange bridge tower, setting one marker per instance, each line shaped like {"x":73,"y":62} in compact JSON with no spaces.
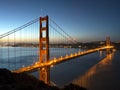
{"x":44,"y":49}
{"x":108,"y":43}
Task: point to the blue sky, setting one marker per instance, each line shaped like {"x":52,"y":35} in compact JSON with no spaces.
{"x":85,"y":20}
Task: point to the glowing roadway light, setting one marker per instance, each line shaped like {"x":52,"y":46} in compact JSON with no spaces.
{"x":50,"y":62}
{"x":42,"y":64}
{"x":61,"y":57}
{"x":66,"y":56}
{"x":28,"y":67}
{"x":71,"y":55}
{"x":36,"y":63}
{"x":51,"y":65}
{"x":76,"y":54}
{"x":55,"y":61}
{"x":43,"y":68}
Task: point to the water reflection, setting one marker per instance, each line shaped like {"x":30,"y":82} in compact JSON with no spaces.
{"x":92,"y":79}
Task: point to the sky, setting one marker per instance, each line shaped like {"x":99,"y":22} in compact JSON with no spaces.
{"x":85,"y":20}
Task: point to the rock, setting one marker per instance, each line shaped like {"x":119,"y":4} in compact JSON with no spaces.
{"x":73,"y":87}
{"x":6,"y":77}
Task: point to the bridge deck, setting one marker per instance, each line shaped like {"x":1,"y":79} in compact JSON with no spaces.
{"x":55,"y":61}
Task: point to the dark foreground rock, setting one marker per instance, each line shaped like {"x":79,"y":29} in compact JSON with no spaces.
{"x":22,"y":81}
{"x":73,"y":87}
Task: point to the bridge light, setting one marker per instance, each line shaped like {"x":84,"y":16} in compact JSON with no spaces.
{"x":54,"y":61}
{"x":66,"y":56}
{"x":71,"y":55}
{"x":36,"y":63}
{"x":42,"y":64}
{"x":50,"y":62}
{"x":43,"y":68}
{"x":61,"y":57}
{"x":51,"y":65}
{"x":28,"y":67}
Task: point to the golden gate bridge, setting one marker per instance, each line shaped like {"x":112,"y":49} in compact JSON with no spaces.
{"x":38,"y":45}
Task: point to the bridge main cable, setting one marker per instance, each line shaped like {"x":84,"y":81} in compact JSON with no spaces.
{"x":72,"y":39}
{"x":19,"y":28}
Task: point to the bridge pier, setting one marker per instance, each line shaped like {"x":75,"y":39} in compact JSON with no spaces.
{"x":45,"y":74}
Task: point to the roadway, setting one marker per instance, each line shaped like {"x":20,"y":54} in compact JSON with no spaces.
{"x":55,"y":61}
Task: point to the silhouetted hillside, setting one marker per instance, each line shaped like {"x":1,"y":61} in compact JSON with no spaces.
{"x":22,"y":81}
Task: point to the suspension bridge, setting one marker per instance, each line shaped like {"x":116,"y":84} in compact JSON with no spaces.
{"x":38,"y":45}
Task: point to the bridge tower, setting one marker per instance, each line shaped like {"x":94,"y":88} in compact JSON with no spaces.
{"x":44,"y":49}
{"x":108,"y":44}
{"x":107,"y":41}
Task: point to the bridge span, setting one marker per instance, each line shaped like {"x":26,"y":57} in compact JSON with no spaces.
{"x":56,"y":61}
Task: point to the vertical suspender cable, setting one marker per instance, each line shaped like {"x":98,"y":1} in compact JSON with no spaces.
{"x":20,"y":49}
{"x":1,"y":52}
{"x":8,"y":53}
{"x":15,"y":49}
